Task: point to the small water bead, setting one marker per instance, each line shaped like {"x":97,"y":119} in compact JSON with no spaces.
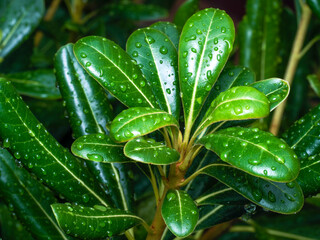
{"x":88,"y":64}
{"x":223,"y":29}
{"x":254,"y":161}
{"x":149,"y":40}
{"x":83,"y":55}
{"x":193,"y":50}
{"x":271,"y":196}
{"x":163,"y":50}
{"x":218,"y":57}
{"x":138,"y":44}
{"x":171,"y":196}
{"x":95,"y":157}
{"x":135,"y":54}
{"x":123,"y":88}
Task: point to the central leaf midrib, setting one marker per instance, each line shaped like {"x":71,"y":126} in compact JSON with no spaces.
{"x":38,"y":204}
{"x":189,"y":120}
{"x":116,"y":66}
{"x":60,"y":163}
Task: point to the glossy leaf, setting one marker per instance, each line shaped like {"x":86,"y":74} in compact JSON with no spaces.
{"x":38,"y":84}
{"x":113,"y":68}
{"x":259,"y":37}
{"x":185,"y":11}
{"x":212,"y":215}
{"x":29,"y":199}
{"x":93,"y":222}
{"x":276,"y":90}
{"x":220,"y":194}
{"x":150,"y":151}
{"x":314,"y":82}
{"x":303,"y":138}
{"x":157,"y":58}
{"x":42,"y":154}
{"x":255,"y":152}
{"x":90,"y":115}
{"x":205,"y":44}
{"x":86,"y":101}
{"x":179,"y":213}
{"x":98,"y":147}
{"x":237,"y":103}
{"x":304,"y":135}
{"x":136,"y":122}
{"x":231,"y":76}
{"x":278,"y":197}
{"x":170,"y":30}
{"x":315,"y":6}
{"x":309,"y":176}
{"x":20,"y":18}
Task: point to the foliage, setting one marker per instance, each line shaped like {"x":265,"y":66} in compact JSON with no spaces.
{"x":169,"y":136}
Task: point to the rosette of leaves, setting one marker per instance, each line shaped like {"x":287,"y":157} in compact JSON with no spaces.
{"x":161,"y":70}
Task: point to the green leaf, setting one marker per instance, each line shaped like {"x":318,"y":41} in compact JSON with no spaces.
{"x":303,"y":138}
{"x":314,"y":83}
{"x":19,"y":19}
{"x":278,"y":197}
{"x":213,"y":215}
{"x":185,"y":11}
{"x":170,"y":30}
{"x":138,"y":121}
{"x":30,"y":199}
{"x":205,"y":44}
{"x":98,"y":147}
{"x":231,"y":76}
{"x":113,"y":68}
{"x":179,"y":213}
{"x":38,"y":84}
{"x":315,"y":6}
{"x":237,"y":103}
{"x":81,"y":94}
{"x":276,"y":90}
{"x":309,"y":176}
{"x":255,"y":152}
{"x":92,"y":223}
{"x":90,"y":111}
{"x":150,"y":151}
{"x":304,"y":135}
{"x":259,"y":37}
{"x":220,"y":194}
{"x":11,"y":228}
{"x":42,"y":154}
{"x":157,"y":58}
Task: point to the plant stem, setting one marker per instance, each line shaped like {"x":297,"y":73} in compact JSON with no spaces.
{"x":293,"y":63}
{"x":309,"y":45}
{"x":154,"y":184}
{"x":49,"y":15}
{"x":158,"y":225}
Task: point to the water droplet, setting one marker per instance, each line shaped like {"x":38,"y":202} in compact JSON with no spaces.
{"x":100,"y":208}
{"x":208,"y":87}
{"x":149,"y":40}
{"x":215,"y":40}
{"x":163,"y":50}
{"x":199,"y":31}
{"x":280,"y":160}
{"x":17,"y":155}
{"x":123,"y":88}
{"x":290,"y":184}
{"x":138,"y":44}
{"x":238,"y":110}
{"x":168,"y":90}
{"x":289,"y":197}
{"x":135,"y":54}
{"x":218,"y":57}
{"x":257,"y":195}
{"x":83,"y":55}
{"x":254,"y":161}
{"x":79,"y":146}
{"x":85,"y":198}
{"x":171,"y":196}
{"x":271,"y":196}
{"x":223,"y":29}
{"x":265,"y":172}
{"x":128,"y":133}
{"x":70,"y":209}
{"x":193,"y":50}
{"x":88,"y":64}
{"x":95,"y":157}
{"x":185,"y":54}
{"x":142,"y":83}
